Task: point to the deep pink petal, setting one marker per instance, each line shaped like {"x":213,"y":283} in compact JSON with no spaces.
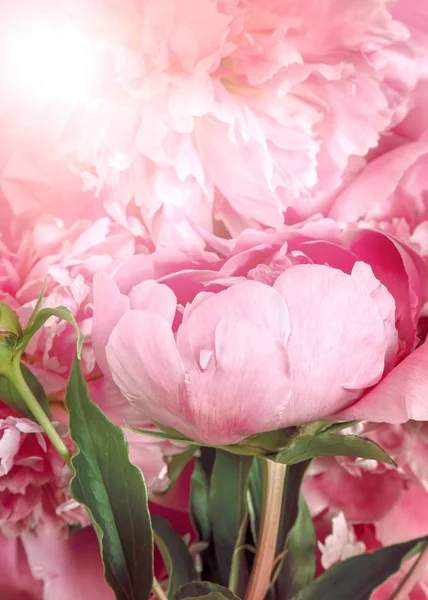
{"x":69,"y":569}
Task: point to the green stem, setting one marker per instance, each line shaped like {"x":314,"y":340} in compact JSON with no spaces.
{"x":273,"y":485}
{"x":412,"y":577}
{"x":158,"y":591}
{"x":14,"y":374}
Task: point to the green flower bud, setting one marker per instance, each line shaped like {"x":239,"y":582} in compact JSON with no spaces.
{"x":10,"y":331}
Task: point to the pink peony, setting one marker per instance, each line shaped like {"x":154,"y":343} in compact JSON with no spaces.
{"x":389,"y":188}
{"x":256,"y":327}
{"x":237,"y":111}
{"x":34,"y":481}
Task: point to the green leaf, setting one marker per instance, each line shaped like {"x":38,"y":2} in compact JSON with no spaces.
{"x":113,"y":491}
{"x":228,"y":510}
{"x":38,"y":304}
{"x":357,"y":577}
{"x":291,"y":492}
{"x":340,"y":426}
{"x":179,"y":462}
{"x":205,"y":590}
{"x":164,"y":435}
{"x":199,"y":502}
{"x":305,"y":447}
{"x":10,"y":396}
{"x":176,"y":556}
{"x":298,"y":566}
{"x":39,"y":319}
{"x":262,"y":444}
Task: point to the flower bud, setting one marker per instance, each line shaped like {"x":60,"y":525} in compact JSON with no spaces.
{"x":10,"y":331}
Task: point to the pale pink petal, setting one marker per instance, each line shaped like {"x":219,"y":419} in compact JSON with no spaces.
{"x":337,"y":342}
{"x":341,"y":544}
{"x":241,"y":387}
{"x":377,"y":182}
{"x":154,"y":298}
{"x":249,"y":301}
{"x":401,"y":396}
{"x":145,"y":364}
{"x":109,"y":306}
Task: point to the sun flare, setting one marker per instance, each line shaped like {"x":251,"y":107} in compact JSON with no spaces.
{"x":53,"y":63}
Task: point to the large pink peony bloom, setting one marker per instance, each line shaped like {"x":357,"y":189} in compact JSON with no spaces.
{"x":241,"y":111}
{"x":291,"y":326}
{"x":389,"y":189}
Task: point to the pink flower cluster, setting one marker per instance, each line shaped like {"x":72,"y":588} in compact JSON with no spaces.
{"x":236,"y":215}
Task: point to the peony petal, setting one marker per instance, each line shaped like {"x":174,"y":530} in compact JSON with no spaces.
{"x":400,"y":396}
{"x":70,"y":569}
{"x":337,"y":343}
{"x":377,"y":182}
{"x":146,"y":366}
{"x":109,"y":306}
{"x":408,"y":518}
{"x":155,"y":298}
{"x":244,"y":388}
{"x":249,"y":301}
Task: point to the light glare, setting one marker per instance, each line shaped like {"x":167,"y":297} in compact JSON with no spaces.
{"x":52,"y":63}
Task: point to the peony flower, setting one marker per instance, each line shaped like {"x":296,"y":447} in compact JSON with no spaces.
{"x":389,"y":188}
{"x":217,"y":109}
{"x":291,"y":321}
{"x":66,"y":258}
{"x":34,"y":481}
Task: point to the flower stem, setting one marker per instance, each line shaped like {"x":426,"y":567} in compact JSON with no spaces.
{"x":14,"y":374}
{"x":158,"y":591}
{"x":273,"y":478}
{"x":411,"y":579}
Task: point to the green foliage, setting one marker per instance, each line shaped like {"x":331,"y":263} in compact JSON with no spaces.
{"x":179,"y":463}
{"x":229,"y":512}
{"x":10,"y":396}
{"x":205,"y":590}
{"x":176,"y":556}
{"x":113,"y":491}
{"x":40,"y":319}
{"x":297,"y":568}
{"x":199,"y":502}
{"x":357,"y":577}
{"x":306,"y":447}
